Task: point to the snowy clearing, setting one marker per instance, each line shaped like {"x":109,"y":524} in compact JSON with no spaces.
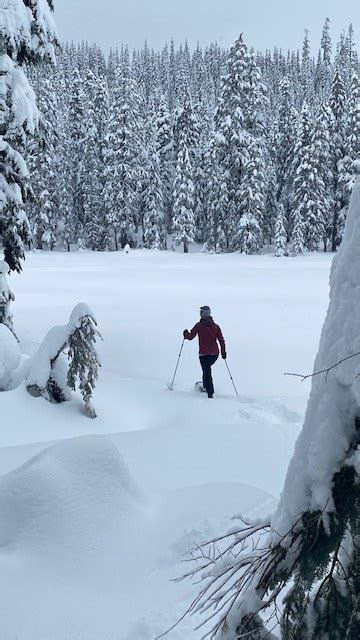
{"x":93,"y":529}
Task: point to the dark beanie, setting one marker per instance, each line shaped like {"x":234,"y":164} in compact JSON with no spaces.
{"x":205,"y":312}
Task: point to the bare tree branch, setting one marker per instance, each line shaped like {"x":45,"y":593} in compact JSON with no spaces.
{"x":326,"y":371}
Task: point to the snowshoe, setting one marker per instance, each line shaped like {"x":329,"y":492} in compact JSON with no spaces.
{"x":200,"y":387}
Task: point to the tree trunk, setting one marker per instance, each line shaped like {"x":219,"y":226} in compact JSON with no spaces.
{"x":186,"y":247}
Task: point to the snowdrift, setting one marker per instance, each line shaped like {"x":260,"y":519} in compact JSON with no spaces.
{"x":74,"y":495}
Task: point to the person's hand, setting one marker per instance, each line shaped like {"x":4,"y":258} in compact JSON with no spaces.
{"x":224,"y":355}
{"x":185,"y":333}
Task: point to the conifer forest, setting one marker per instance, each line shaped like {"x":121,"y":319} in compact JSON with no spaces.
{"x":237,"y":150}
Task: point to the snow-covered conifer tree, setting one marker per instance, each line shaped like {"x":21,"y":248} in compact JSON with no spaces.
{"x":27,"y":34}
{"x":44,"y":167}
{"x":280,"y":233}
{"x":323,"y":72}
{"x":231,"y":139}
{"x":307,"y":210}
{"x":77,"y":129}
{"x":321,"y":158}
{"x":91,"y":169}
{"x":248,"y":237}
{"x":183,"y":212}
{"x":164,"y":148}
{"x":338,"y":139}
{"x":286,"y":140}
{"x":154,"y":218}
{"x":122,"y":161}
{"x":51,"y":376}
{"x":350,"y":168}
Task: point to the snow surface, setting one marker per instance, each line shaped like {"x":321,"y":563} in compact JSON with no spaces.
{"x":93,"y":529}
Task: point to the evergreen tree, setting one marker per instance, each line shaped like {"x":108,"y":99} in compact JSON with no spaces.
{"x":280,"y":233}
{"x":77,"y":130}
{"x":306,"y":213}
{"x":27,"y":36}
{"x":231,"y":140}
{"x":154,"y":219}
{"x":350,"y":167}
{"x":164,"y":148}
{"x":323,"y":75}
{"x":91,"y":169}
{"x":338,"y":134}
{"x":285,"y":147}
{"x":183,"y":218}
{"x":323,"y":179}
{"x":248,"y":237}
{"x":121,"y":159}
{"x":45,"y":169}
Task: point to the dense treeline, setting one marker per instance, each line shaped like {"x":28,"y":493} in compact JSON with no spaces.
{"x":235,"y":150}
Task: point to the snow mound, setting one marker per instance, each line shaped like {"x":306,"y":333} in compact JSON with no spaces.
{"x":74,"y":495}
{"x":10,"y":356}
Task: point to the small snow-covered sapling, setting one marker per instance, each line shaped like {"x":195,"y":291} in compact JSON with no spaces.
{"x":51,"y":377}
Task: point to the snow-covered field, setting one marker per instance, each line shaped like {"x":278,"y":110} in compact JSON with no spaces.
{"x":93,"y":529}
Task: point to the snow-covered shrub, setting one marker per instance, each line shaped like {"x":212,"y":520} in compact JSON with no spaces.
{"x":305,"y":559}
{"x":6,"y":296}
{"x":51,"y":377}
{"x":10,"y":357}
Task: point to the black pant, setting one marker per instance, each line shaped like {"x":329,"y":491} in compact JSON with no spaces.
{"x":206,"y":364}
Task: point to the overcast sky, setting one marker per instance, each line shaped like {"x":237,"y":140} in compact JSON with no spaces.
{"x":265,"y":23}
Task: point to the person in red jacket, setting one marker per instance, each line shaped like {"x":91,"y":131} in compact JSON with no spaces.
{"x":210,"y":336}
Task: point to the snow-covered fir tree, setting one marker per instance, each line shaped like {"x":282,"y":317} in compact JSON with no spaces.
{"x":26,"y":36}
{"x":183,"y":211}
{"x":231,"y":141}
{"x":77,"y":129}
{"x":337,"y":104}
{"x":122,"y":161}
{"x":154,"y":213}
{"x":165,"y":150}
{"x":308,"y":189}
{"x":280,"y":233}
{"x":285,"y":148}
{"x":45,"y":168}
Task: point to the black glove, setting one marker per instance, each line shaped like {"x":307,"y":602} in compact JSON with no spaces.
{"x":224,"y":355}
{"x":185,"y":333}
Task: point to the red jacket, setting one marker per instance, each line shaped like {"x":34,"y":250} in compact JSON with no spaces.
{"x":209,"y":335}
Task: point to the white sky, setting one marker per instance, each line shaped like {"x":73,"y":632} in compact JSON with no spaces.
{"x":265,"y":23}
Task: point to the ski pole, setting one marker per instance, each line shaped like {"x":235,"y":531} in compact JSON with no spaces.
{"x":171,"y":386}
{"x":231,"y":378}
